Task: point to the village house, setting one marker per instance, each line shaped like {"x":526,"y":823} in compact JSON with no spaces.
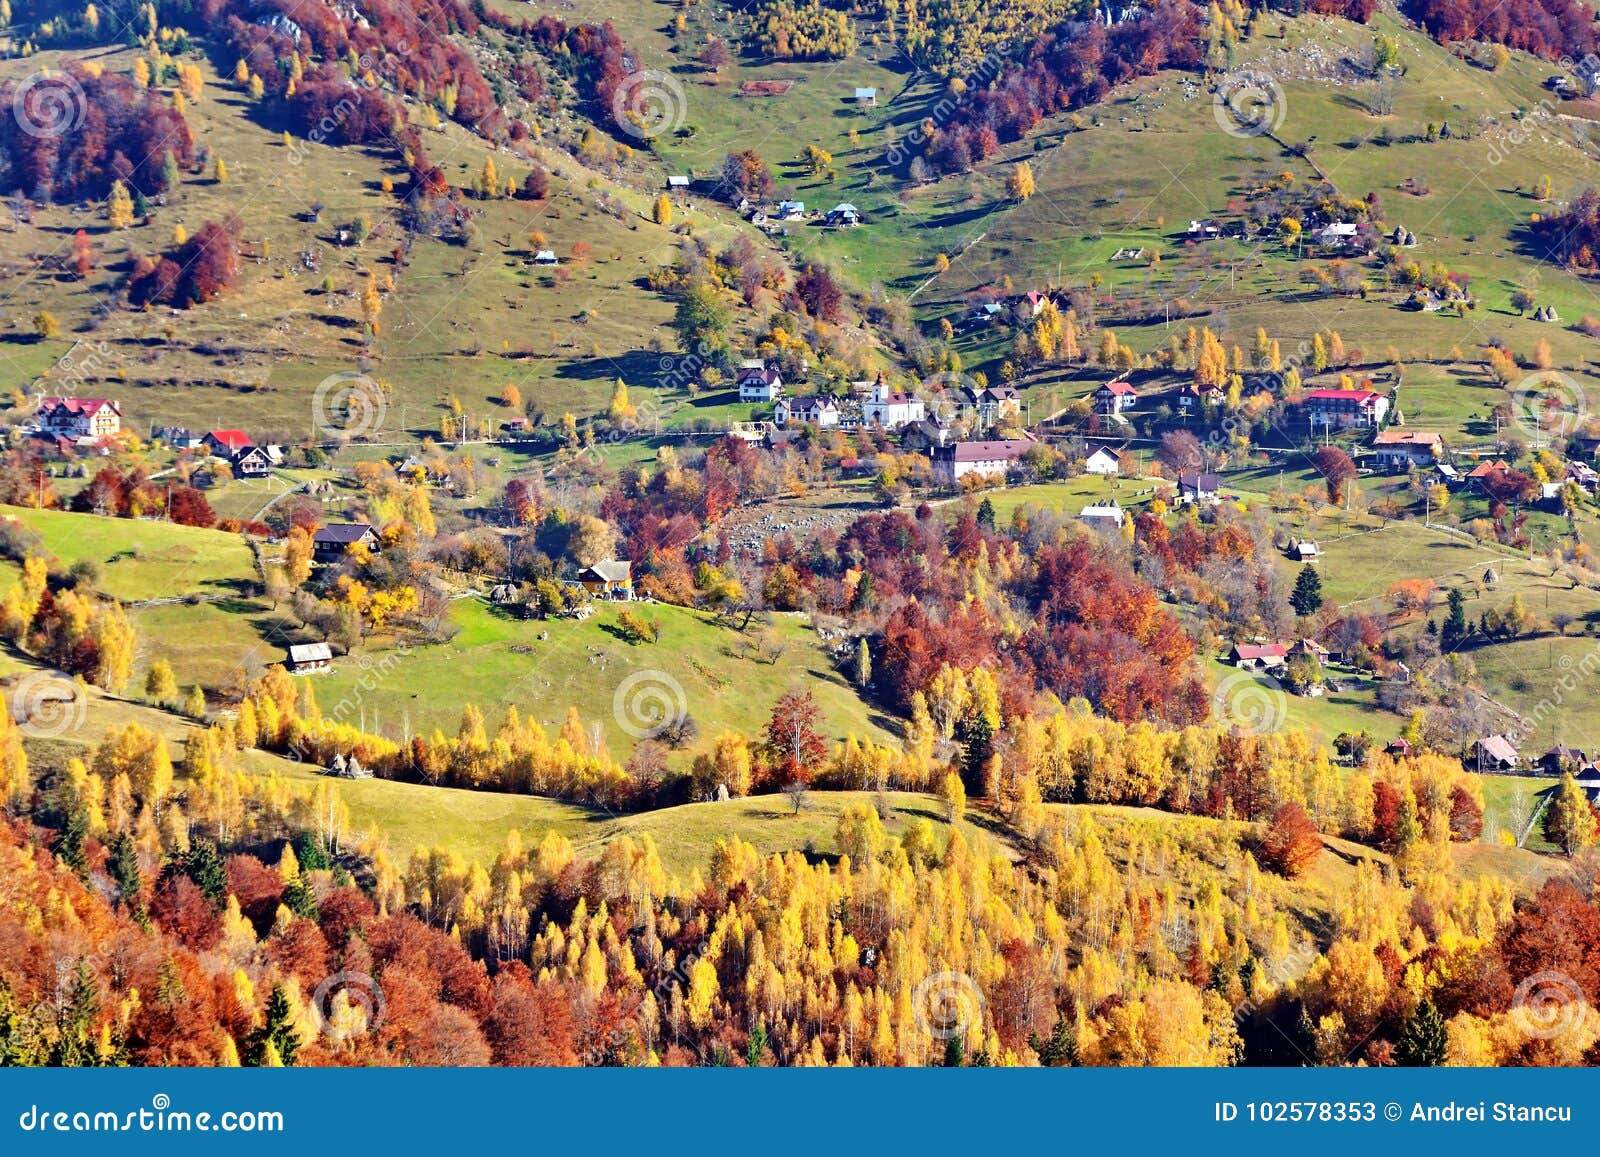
{"x":178,"y":437}
{"x":1304,"y":550}
{"x":922,"y":435}
{"x":1495,"y":753}
{"x":1103,"y":462}
{"x":866,"y":97}
{"x":227,"y":443}
{"x":611,"y":579}
{"x":1561,"y":758}
{"x":1337,"y":235}
{"x":791,"y":210}
{"x":75,"y":418}
{"x":310,"y":659}
{"x":844,"y":216}
{"x":891,"y":409}
{"x":1399,"y":450}
{"x":1310,"y":649}
{"x":983,"y":315}
{"x":820,"y":410}
{"x":1102,"y":514}
{"x":1258,"y":656}
{"x":1193,"y":400}
{"x":252,"y":462}
{"x":991,"y":404}
{"x":678,"y":182}
{"x":1198,"y":488}
{"x":954,"y":461}
{"x":332,"y":542}
{"x":1114,"y":397}
{"x":759,"y":383}
{"x":1338,"y":409}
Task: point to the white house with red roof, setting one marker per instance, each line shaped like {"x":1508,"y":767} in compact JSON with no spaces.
{"x":890,"y":408}
{"x":227,"y":443}
{"x":1253,"y":656}
{"x":1337,"y":409}
{"x":75,"y":418}
{"x":1115,"y":397}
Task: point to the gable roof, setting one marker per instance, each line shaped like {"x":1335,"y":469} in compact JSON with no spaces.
{"x":1406,"y":438}
{"x":997,"y":449}
{"x":1199,"y":481}
{"x":310,"y":653}
{"x":88,"y":407}
{"x":611,"y":570}
{"x":233,"y":440}
{"x":1121,"y":389}
{"x":1260,"y":650}
{"x":767,"y":377}
{"x":1360,"y":397}
{"x":342,"y":533}
{"x":1104,"y":452}
{"x":1498,"y":748}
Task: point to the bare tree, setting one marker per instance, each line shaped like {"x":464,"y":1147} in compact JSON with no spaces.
{"x":797,"y":793}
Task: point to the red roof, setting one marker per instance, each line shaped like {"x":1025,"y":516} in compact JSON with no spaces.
{"x":1363,"y":397}
{"x":1260,"y":651}
{"x":87,"y":406}
{"x":234,"y":440}
{"x":1121,"y":388}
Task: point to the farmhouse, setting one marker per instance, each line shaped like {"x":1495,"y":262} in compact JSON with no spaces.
{"x":1309,"y":648}
{"x":991,"y":403}
{"x":1337,"y":235}
{"x":1562,"y":758}
{"x":866,"y":97}
{"x":1115,"y":397}
{"x":75,"y":418}
{"x":252,"y":462}
{"x":1102,"y":514}
{"x":1103,"y":462}
{"x":1495,"y":753}
{"x":611,"y":579}
{"x":1399,"y":450}
{"x":1198,"y":488}
{"x":227,"y":443}
{"x":791,"y":210}
{"x":819,"y":410}
{"x":1337,"y":409}
{"x":1258,"y":656}
{"x":760,"y":384}
{"x":844,"y":216}
{"x":332,"y":542}
{"x":678,"y":182}
{"x":1304,"y":550}
{"x":890,"y":408}
{"x":310,"y":658}
{"x":1192,"y":399}
{"x":953,"y":461}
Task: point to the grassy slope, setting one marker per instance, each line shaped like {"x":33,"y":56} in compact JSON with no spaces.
{"x":141,"y":559}
{"x":583,"y":665}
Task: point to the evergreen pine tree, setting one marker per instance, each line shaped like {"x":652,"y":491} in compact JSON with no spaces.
{"x":1423,"y":1041}
{"x":1307,"y":596}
